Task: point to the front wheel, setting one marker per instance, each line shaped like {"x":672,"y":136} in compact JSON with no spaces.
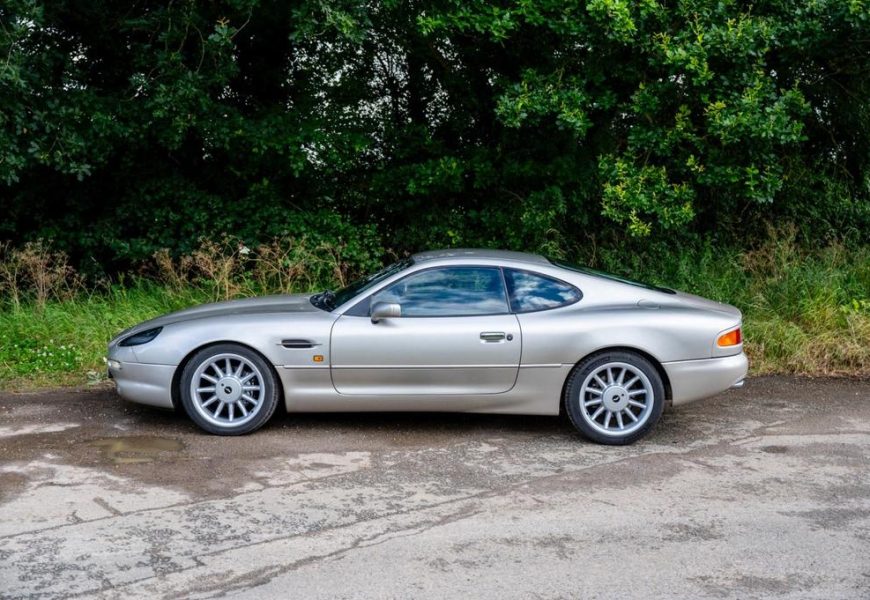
{"x":614,"y":397}
{"x":228,"y":389}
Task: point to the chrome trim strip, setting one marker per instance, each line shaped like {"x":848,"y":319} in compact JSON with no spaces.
{"x":528,"y":366}
{"x":506,"y":366}
{"x":698,"y":360}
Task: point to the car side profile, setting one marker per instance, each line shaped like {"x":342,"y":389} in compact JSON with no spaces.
{"x":481,"y":331}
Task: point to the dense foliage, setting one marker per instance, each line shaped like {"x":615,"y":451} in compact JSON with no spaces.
{"x":127,"y":127}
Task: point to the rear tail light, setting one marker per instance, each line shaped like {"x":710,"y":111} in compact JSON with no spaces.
{"x":732,"y":338}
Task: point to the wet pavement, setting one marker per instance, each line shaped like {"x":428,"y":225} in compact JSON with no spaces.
{"x":760,"y":492}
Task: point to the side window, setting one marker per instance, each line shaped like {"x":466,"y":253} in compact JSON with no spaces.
{"x":448,"y":292}
{"x":531,"y":291}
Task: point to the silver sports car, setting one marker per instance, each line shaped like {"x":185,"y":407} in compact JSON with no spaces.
{"x":454,"y":330}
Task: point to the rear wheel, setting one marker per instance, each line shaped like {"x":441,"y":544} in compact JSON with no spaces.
{"x":614,"y":397}
{"x":228,"y":389}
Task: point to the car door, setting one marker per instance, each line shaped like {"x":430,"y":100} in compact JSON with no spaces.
{"x":455,"y":335}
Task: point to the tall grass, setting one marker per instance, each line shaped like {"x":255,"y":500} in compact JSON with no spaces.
{"x":54,"y":330}
{"x":65,"y":342}
{"x":805,"y":310}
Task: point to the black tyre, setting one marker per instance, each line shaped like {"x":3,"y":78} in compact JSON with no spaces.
{"x":228,"y":389}
{"x":614,"y":397}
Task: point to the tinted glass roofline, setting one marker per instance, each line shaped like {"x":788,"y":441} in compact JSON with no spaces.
{"x":479,"y":253}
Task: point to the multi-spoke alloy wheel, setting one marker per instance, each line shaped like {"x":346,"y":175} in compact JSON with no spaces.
{"x":228,"y":389}
{"x":614,"y":398}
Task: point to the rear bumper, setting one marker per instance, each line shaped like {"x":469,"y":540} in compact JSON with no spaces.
{"x":696,"y":379}
{"x":144,"y":383}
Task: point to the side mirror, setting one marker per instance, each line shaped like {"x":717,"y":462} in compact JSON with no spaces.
{"x":385,"y":310}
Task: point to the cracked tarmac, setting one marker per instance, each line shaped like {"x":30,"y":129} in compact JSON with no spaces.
{"x":759,"y":492}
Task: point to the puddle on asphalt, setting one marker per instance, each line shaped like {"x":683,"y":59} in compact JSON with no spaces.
{"x":135,"y":449}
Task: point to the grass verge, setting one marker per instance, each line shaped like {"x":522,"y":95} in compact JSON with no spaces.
{"x":805,"y":311}
{"x":64,"y":342}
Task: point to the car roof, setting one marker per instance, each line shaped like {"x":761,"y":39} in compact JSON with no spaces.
{"x":479,"y":253}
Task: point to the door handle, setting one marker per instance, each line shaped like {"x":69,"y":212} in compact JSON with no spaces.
{"x":492,"y":336}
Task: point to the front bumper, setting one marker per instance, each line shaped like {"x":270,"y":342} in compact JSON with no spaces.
{"x":143,"y":383}
{"x":696,"y":379}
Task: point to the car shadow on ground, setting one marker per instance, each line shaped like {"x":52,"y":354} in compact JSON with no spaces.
{"x":363,"y":422}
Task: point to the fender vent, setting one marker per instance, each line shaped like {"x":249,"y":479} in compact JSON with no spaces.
{"x":298,"y":343}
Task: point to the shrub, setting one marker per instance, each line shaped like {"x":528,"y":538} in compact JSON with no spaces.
{"x":36,"y":271}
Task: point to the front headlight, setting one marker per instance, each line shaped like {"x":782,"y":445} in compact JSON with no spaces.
{"x":143,"y":337}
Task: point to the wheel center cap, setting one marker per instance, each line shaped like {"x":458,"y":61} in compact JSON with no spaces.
{"x":615,"y":398}
{"x":229,"y":389}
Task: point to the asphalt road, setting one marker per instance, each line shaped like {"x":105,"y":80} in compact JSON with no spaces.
{"x":760,"y":492}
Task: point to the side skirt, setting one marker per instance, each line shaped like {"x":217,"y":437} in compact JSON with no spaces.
{"x":538,"y":391}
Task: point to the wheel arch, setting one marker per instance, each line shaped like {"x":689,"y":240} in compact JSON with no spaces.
{"x":666,"y":382}
{"x":176,"y":376}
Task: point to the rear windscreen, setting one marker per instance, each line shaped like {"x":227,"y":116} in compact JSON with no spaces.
{"x":602,"y":274}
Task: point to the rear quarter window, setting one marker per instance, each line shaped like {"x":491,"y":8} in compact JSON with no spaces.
{"x":530,"y":292}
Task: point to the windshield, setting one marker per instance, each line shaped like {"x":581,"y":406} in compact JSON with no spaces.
{"x":328,"y":300}
{"x":596,"y":273}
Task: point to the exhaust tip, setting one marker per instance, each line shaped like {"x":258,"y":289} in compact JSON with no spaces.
{"x":738,"y":385}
